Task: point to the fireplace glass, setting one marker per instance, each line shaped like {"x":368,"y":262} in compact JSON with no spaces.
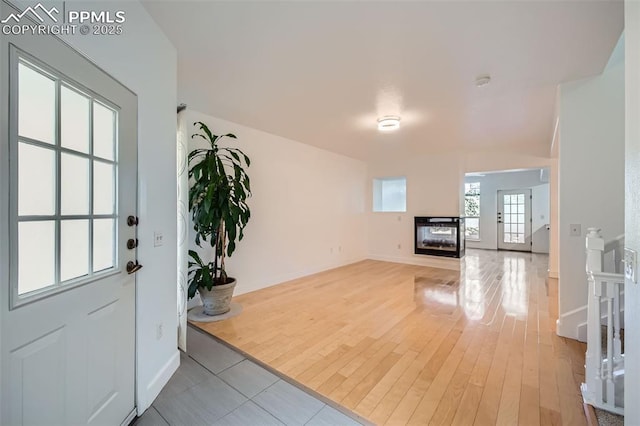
{"x":439,"y":236}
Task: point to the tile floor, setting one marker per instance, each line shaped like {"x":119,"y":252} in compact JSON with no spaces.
{"x":217,"y":386}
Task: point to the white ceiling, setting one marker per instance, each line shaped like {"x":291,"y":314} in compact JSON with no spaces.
{"x":321,"y":72}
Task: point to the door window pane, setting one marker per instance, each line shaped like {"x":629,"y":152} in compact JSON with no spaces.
{"x":60,"y":188}
{"x":36,"y":180}
{"x":36,"y":105}
{"x":74,"y":185}
{"x":74,"y":249}
{"x":514,"y":223}
{"x":103,"y":188}
{"x":103,"y":236}
{"x":74,"y":120}
{"x":36,"y":255}
{"x":103,"y":131}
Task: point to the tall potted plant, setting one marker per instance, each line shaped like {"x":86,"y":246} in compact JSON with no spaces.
{"x":217,"y":200}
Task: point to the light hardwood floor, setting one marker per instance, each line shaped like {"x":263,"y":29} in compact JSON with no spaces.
{"x":401,"y":344}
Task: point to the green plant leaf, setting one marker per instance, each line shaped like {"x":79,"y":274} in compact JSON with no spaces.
{"x":219,"y":186}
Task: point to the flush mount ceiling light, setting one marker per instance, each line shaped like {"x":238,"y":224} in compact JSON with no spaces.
{"x":388,"y":123}
{"x":483,"y":80}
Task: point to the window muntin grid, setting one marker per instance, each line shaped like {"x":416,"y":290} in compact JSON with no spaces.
{"x":65,"y":182}
{"x":514,"y":218}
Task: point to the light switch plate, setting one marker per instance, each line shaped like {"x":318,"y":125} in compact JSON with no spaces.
{"x":158,"y":239}
{"x":575,"y":230}
{"x":630,"y":265}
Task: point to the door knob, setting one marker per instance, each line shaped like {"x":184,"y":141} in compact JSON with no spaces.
{"x":132,"y":267}
{"x":132,"y":220}
{"x":132,"y":243}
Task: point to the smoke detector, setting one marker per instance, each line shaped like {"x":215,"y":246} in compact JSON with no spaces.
{"x":483,"y":80}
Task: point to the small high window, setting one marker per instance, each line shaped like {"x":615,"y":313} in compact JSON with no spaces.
{"x":390,"y":194}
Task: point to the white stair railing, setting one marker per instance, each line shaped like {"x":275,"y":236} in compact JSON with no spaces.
{"x":604,"y":375}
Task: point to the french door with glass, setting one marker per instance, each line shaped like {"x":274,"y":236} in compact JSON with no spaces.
{"x":514,"y":220}
{"x":68,"y":182}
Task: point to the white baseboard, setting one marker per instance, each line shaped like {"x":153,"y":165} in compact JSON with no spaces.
{"x":422,"y":260}
{"x":147,"y":394}
{"x":282,"y":278}
{"x":572,"y":324}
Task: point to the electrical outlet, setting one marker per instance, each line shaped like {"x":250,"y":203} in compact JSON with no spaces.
{"x":159,"y":331}
{"x":158,"y":239}
{"x":575,"y":230}
{"x":630,"y":265}
{"x":399,"y":246}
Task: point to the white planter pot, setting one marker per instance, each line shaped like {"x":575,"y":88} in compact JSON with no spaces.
{"x":217,"y":301}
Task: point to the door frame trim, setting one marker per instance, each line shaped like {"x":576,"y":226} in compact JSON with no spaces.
{"x":6,"y":217}
{"x":530,"y":203}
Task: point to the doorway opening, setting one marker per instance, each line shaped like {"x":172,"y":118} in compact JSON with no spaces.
{"x":508,"y":210}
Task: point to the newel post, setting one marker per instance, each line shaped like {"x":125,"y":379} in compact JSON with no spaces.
{"x":595,"y":250}
{"x":592,"y":389}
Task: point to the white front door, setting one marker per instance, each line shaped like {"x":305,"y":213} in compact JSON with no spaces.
{"x":68,"y":180}
{"x":514,"y":220}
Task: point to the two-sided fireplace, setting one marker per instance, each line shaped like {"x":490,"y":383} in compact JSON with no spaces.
{"x":439,"y":236}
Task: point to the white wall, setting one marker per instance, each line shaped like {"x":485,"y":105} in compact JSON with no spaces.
{"x":490,"y":184}
{"x":554,"y":219}
{"x":434,"y":188}
{"x":591,"y":177}
{"x":145,"y":61}
{"x":540,"y":218}
{"x":484,"y":161}
{"x":307,"y":208}
{"x":632,"y":207}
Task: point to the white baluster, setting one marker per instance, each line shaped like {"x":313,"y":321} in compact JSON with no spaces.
{"x":617,"y":342}
{"x":602,"y":372}
{"x":610,"y":385}
{"x":593,"y":356}
{"x":595,"y":343}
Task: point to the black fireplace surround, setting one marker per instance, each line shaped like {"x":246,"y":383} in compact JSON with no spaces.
{"x":439,"y":236}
